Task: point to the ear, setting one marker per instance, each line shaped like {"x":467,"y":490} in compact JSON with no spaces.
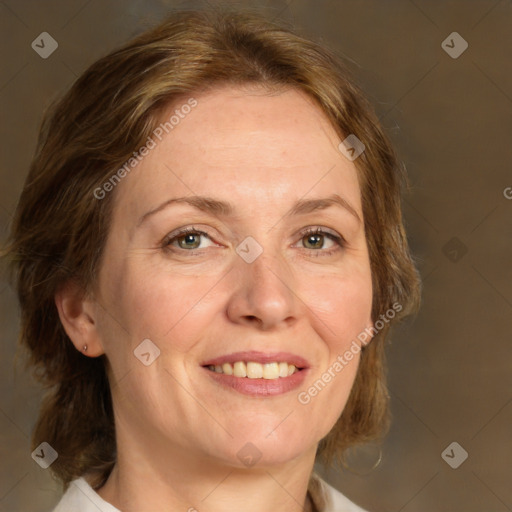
{"x":77,"y":314}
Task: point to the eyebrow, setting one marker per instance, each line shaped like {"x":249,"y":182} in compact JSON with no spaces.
{"x":224,"y":209}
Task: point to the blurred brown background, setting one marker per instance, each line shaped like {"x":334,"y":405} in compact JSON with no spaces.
{"x":450,"y":368}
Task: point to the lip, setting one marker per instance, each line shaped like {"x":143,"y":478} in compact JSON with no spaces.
{"x":259,"y":387}
{"x":262,"y":358}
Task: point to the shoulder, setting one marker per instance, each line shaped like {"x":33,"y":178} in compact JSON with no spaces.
{"x":335,"y":501}
{"x":81,"y":497}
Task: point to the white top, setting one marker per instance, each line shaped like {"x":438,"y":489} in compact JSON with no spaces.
{"x":81,"y":497}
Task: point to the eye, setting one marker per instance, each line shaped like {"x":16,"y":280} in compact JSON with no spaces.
{"x":186,"y":239}
{"x":314,"y":239}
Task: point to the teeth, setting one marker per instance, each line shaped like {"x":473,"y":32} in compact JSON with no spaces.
{"x":270,"y":371}
{"x":239,"y":369}
{"x":252,"y":370}
{"x":227,"y":369}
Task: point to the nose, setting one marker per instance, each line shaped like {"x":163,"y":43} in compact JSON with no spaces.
{"x":264,"y":295}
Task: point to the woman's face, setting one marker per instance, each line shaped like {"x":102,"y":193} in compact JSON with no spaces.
{"x":250,"y":281}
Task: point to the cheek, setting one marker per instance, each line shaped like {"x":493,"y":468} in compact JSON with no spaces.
{"x":162,"y":307}
{"x":341,"y":307}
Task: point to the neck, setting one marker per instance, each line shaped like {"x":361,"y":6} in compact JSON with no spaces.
{"x":168,"y":480}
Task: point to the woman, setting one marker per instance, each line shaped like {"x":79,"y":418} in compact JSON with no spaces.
{"x":209,"y":254}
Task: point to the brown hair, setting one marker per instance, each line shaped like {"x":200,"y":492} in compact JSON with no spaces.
{"x":60,"y":227}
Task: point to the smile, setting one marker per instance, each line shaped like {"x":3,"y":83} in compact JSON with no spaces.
{"x":258,"y":374}
{"x":254,"y":370}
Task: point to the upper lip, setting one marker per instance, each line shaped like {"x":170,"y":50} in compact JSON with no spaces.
{"x":259,"y":357}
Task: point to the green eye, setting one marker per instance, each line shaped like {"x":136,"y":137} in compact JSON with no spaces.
{"x":316,"y":240}
{"x":186,"y":239}
{"x":313,"y":239}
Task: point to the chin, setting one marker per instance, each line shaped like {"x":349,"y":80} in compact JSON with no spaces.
{"x":261,"y":449}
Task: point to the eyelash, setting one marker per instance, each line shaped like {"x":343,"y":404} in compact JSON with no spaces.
{"x":337,"y":239}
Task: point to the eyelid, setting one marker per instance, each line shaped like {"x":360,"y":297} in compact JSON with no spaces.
{"x":333,"y":235}
{"x":177,"y":233}
{"x":320,"y":230}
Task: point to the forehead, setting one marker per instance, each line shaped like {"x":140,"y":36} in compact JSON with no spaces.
{"x":237,"y":121}
{"x":246,"y":144}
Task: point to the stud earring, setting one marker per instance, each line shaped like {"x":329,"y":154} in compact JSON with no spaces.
{"x":84,"y":348}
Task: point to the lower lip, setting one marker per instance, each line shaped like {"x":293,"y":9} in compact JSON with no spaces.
{"x":260,"y":387}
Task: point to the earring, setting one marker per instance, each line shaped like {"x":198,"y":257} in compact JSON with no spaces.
{"x":363,"y":471}
{"x":84,"y":348}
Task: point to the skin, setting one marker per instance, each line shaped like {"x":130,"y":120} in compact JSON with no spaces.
{"x":178,"y":432}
